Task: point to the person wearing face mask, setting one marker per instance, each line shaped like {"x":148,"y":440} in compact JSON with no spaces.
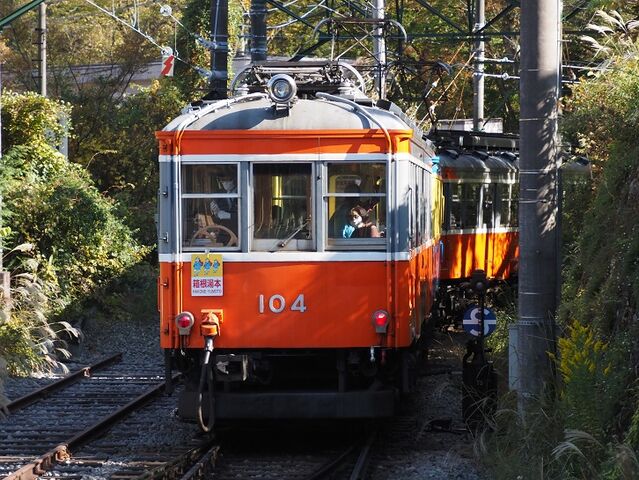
{"x":225,"y":209}
{"x":362,"y":226}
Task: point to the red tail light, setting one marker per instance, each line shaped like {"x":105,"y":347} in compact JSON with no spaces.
{"x":184,"y":322}
{"x":380,"y":321}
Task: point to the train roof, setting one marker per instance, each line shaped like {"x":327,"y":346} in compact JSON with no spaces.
{"x":304,"y":114}
{"x":478,"y":164}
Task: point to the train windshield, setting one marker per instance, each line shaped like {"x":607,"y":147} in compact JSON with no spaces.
{"x":210,"y":207}
{"x":282,"y":207}
{"x":356,"y":205}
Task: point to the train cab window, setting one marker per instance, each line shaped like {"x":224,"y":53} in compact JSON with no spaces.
{"x":356,"y":191}
{"x":282,"y":207}
{"x":210,"y":207}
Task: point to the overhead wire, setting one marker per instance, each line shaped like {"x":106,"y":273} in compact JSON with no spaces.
{"x":150,"y":39}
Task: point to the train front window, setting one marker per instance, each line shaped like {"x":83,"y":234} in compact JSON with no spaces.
{"x":356,"y":205}
{"x":282,"y":207}
{"x":210,"y":207}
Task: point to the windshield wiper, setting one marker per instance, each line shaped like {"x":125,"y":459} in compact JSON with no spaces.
{"x":283,"y":243}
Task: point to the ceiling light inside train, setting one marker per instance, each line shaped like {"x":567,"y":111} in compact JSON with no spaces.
{"x":281,"y":88}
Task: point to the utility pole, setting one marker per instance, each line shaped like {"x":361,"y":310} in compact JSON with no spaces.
{"x":379,"y":48}
{"x":478,"y":77}
{"x":258,"y":30}
{"x":219,"y":55}
{"x":42,"y":47}
{"x":538,"y":214}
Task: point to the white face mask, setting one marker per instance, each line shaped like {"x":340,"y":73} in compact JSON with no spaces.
{"x":228,"y":185}
{"x":355,"y":221}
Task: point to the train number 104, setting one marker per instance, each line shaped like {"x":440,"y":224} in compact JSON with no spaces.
{"x":277,"y":303}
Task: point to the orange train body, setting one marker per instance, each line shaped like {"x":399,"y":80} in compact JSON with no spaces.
{"x":496,"y":253}
{"x":339,"y":298}
{"x":308,"y":317}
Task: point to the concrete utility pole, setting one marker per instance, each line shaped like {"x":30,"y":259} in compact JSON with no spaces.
{"x":42,"y":47}
{"x":478,"y":78}
{"x":379,"y":48}
{"x":219,"y":56}
{"x":538,"y":216}
{"x":258,"y":30}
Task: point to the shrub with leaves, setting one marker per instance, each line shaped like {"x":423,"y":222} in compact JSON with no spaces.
{"x":586,"y":369}
{"x":29,"y":340}
{"x":78,"y":243}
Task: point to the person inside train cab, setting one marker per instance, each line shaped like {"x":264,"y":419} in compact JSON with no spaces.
{"x":358,"y":218}
{"x":224,"y":209}
{"x":342,"y":211}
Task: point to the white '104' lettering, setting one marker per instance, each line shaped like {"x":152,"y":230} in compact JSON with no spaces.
{"x":277,"y":304}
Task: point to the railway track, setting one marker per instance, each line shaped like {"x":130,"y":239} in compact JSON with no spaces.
{"x":59,"y":429}
{"x":147,"y":441}
{"x":310,"y":450}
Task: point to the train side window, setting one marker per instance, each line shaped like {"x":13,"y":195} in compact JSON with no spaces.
{"x":282,"y":207}
{"x":502,"y":209}
{"x":455,"y":206}
{"x":349,"y":186}
{"x":210,"y":206}
{"x":470,"y":204}
{"x":487,"y":205}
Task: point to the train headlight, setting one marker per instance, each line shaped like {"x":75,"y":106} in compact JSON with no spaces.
{"x":380,"y":321}
{"x":184,"y":322}
{"x":281,"y":88}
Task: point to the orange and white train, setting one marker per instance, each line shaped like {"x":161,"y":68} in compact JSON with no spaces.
{"x":273,"y":302}
{"x":480,"y":228}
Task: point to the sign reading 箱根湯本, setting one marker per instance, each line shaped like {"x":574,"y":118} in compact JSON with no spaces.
{"x":207,"y":278}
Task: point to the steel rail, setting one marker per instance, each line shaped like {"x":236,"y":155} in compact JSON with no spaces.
{"x":360,"y":464}
{"x":328,"y":467}
{"x":62,"y":452}
{"x":364,"y":456}
{"x":204,"y":465}
{"x":64,"y":382}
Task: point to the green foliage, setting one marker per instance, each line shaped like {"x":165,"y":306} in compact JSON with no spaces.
{"x":593,"y":376}
{"x":71,"y":223}
{"x":196,"y":20}
{"x":132,"y":296}
{"x":601,"y":286}
{"x":17,"y":347}
{"x":119,"y":149}
{"x":77,"y":244}
{"x":80,"y":34}
{"x":29,"y":119}
{"x":29,"y":340}
{"x":514,"y":446}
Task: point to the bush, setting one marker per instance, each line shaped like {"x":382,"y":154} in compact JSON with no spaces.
{"x":78,"y":244}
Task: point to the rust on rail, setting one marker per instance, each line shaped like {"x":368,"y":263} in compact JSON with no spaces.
{"x":62,"y":452}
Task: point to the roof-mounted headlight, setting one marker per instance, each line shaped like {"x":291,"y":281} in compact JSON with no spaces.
{"x":281,"y":88}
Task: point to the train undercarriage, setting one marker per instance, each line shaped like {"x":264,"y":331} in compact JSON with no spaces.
{"x":320,"y":383}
